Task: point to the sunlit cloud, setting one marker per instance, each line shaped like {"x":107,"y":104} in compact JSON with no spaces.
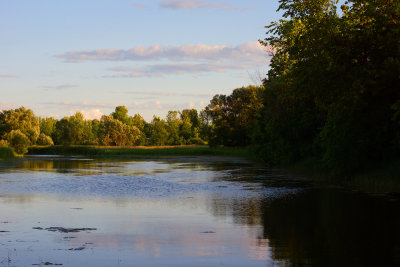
{"x":6,"y":106}
{"x":61,"y":87}
{"x":8,"y":76}
{"x":197,"y":4}
{"x":89,"y":114}
{"x":248,"y":52}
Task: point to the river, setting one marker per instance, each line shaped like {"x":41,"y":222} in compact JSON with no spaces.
{"x":192,"y":211}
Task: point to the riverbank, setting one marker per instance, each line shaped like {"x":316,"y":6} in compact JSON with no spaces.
{"x":100,"y":151}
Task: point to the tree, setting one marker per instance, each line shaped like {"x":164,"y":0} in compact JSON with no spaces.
{"x":63,"y":132}
{"x":77,"y":128}
{"x":121,"y":114}
{"x":158,"y":132}
{"x":233,"y":116}
{"x":47,"y":126}
{"x":18,"y":141}
{"x":113,"y":132}
{"x":332,"y":88}
{"x":44,"y":140}
{"x":172,"y":127}
{"x":21,"y":119}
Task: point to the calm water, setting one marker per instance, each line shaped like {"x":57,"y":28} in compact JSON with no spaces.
{"x":186,"y":212}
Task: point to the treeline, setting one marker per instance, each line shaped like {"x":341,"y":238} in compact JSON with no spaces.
{"x":226,"y":121}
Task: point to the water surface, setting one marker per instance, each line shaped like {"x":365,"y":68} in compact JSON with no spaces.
{"x":195,"y":211}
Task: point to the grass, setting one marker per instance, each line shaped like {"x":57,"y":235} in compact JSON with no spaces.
{"x":7,"y":153}
{"x":139,"y":151}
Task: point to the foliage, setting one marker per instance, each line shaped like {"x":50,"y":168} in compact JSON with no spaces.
{"x":232,"y":117}
{"x":18,"y":141}
{"x":158,"y":132}
{"x":44,"y":140}
{"x":21,"y":119}
{"x":113,"y":132}
{"x":332,"y":89}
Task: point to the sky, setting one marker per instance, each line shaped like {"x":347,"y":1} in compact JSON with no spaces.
{"x":58,"y":57}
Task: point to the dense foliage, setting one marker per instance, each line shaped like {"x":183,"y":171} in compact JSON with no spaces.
{"x":333,"y":89}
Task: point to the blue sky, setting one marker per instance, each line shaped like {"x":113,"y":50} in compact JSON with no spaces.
{"x":58,"y":57}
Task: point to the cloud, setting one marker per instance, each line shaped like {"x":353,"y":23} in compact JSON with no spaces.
{"x":160,"y":70}
{"x":167,"y":94}
{"x":249,"y":52}
{"x":90,"y":114}
{"x":60,"y":87}
{"x":139,"y":5}
{"x":197,"y":4}
{"x":7,"y":106}
{"x":8,"y":76}
{"x":94,"y":108}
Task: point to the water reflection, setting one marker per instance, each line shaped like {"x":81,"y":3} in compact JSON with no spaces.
{"x":196,"y":211}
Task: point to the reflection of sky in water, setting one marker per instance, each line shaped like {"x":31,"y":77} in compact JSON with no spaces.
{"x":150,"y":212}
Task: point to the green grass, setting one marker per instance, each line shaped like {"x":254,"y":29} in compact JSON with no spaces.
{"x":139,"y":151}
{"x":7,"y":153}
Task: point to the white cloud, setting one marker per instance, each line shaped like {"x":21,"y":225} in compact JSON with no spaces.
{"x":8,"y":76}
{"x":60,"y":87}
{"x":196,"y":4}
{"x":249,"y":52}
{"x":89,"y":114}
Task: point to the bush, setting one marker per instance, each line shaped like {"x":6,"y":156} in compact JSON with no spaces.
{"x":44,"y":140}
{"x":18,"y":141}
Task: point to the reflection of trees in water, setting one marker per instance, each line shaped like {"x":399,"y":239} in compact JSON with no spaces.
{"x":62,"y":166}
{"x":321,"y":227}
{"x":20,"y":199}
{"x":331,"y":228}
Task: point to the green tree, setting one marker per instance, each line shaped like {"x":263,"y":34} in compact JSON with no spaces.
{"x":158,"y":132}
{"x":121,"y":114}
{"x":77,"y":128}
{"x":332,"y":88}
{"x":173,"y":123}
{"x":63,"y":134}
{"x":233,"y":116}
{"x":47,"y":126}
{"x":18,"y":141}
{"x":21,"y":119}
{"x":113,"y":132}
{"x":44,"y":140}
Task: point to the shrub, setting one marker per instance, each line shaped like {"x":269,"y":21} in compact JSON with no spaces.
{"x":18,"y":141}
{"x":44,"y":140}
